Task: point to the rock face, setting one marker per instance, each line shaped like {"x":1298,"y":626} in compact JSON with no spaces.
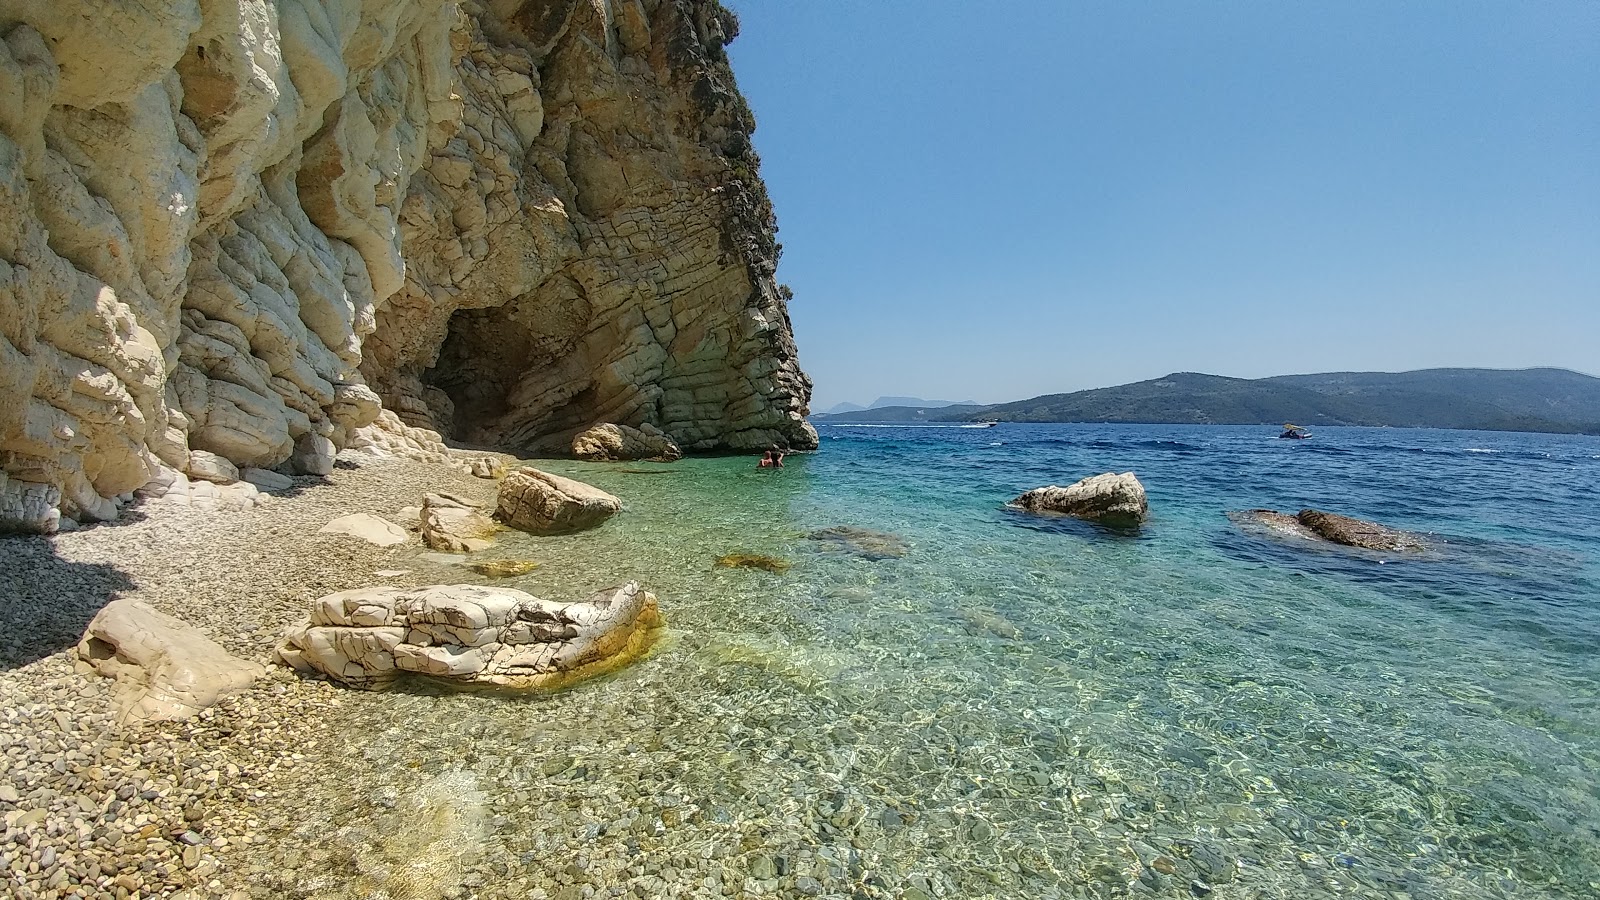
{"x":471,"y":634}
{"x":252,"y":228}
{"x":165,"y":668}
{"x":610,"y":442}
{"x":540,"y":503}
{"x":453,"y":525}
{"x":1325,"y":527}
{"x":1109,"y":499}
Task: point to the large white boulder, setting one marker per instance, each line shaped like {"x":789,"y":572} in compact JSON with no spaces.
{"x":1115,"y":500}
{"x":541,"y":503}
{"x":369,"y":637}
{"x":165,"y":668}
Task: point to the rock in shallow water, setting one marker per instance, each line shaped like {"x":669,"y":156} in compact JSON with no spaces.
{"x":540,"y":503}
{"x":471,"y":634}
{"x":1324,"y":528}
{"x":1110,"y":499}
{"x":862,"y":542}
{"x":621,"y":442}
{"x":753,"y":561}
{"x":453,"y":525}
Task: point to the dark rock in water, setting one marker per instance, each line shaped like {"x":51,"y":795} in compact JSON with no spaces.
{"x":753,"y":561}
{"x":1325,"y":528}
{"x":862,"y":542}
{"x":1114,"y":500}
{"x":1358,"y":532}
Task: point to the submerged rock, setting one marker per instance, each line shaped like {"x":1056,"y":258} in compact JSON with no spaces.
{"x":452,"y":524}
{"x":471,"y":634}
{"x":369,"y":528}
{"x":753,"y":561}
{"x":1325,"y":527}
{"x":862,"y":542}
{"x":1359,"y":532}
{"x":503,"y":568}
{"x":165,"y":668}
{"x":1114,"y":500}
{"x":540,"y":503}
{"x":623,"y":442}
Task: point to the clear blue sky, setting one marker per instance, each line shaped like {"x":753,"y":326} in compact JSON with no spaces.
{"x":1002,"y":199}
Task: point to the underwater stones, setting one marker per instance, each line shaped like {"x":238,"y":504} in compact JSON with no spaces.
{"x":367,"y":527}
{"x":165,"y":668}
{"x":774,"y":564}
{"x":471,"y":634}
{"x":1321,"y":527}
{"x":1117,"y":501}
{"x":862,"y":542}
{"x":540,"y":503}
{"x":453,"y":525}
{"x":503,"y":568}
{"x":609,"y":442}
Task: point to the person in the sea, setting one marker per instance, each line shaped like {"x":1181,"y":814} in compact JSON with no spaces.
{"x":772,"y":459}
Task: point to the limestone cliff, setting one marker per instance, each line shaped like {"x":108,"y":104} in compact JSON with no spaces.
{"x":234,"y":226}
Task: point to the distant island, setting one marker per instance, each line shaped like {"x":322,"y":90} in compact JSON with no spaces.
{"x":882,"y":402}
{"x":1544,"y":399}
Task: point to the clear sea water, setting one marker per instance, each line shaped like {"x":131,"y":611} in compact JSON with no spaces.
{"x":1026,"y":707}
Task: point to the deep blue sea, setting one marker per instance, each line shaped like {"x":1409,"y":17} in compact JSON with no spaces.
{"x":1028,"y":707}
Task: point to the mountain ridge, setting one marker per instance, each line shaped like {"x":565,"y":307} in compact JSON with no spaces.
{"x":1537,"y":399}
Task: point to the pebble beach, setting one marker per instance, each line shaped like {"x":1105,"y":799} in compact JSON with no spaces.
{"x":91,"y":809}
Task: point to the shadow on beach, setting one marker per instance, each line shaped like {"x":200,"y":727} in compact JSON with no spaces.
{"x":46,"y":601}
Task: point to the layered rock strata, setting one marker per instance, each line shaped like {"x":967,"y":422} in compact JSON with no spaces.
{"x":246,"y":228}
{"x":471,"y":634}
{"x":616,"y":443}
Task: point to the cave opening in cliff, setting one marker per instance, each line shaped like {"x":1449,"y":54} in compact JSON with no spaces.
{"x":499,"y":382}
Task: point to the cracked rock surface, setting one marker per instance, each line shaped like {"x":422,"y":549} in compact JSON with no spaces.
{"x":474,"y":634}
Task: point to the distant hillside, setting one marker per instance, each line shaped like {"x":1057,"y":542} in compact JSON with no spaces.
{"x":1554,"y":400}
{"x":897,"y":414}
{"x":882,"y":402}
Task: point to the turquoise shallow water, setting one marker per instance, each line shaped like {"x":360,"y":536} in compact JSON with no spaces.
{"x":1031,"y":707}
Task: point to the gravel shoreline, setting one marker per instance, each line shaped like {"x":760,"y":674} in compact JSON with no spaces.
{"x":91,"y":809}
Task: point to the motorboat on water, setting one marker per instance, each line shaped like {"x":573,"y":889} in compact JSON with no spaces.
{"x":1293,"y":432}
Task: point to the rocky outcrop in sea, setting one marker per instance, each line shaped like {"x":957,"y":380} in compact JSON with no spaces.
{"x":245,"y":236}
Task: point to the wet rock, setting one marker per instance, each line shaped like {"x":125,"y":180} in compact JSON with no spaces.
{"x":610,"y":442}
{"x":1320,"y":527}
{"x":1117,"y":501}
{"x":165,"y":669}
{"x":540,"y":503}
{"x":472,"y":634}
{"x":862,"y":542}
{"x":503,"y":568}
{"x":1358,"y":532}
{"x":753,"y":561}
